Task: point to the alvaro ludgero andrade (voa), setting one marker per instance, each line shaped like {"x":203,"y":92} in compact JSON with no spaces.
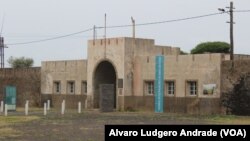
{"x":160,"y":133}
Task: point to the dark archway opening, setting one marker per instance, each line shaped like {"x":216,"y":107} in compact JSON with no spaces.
{"x":104,"y":74}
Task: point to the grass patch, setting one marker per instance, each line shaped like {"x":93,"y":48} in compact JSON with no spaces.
{"x":6,"y":131}
{"x":8,"y":120}
{"x":228,"y":119}
{"x":9,"y":132}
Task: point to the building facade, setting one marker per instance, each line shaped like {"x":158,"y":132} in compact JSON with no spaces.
{"x":192,"y":83}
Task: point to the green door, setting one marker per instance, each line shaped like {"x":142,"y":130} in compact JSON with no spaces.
{"x":10,"y":97}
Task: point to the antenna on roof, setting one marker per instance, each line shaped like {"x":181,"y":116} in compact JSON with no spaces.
{"x":133,"y":24}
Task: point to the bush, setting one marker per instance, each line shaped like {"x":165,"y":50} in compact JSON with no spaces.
{"x":211,"y":47}
{"x":238,"y":100}
{"x":21,"y":62}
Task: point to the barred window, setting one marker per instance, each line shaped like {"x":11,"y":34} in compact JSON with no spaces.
{"x":71,"y":87}
{"x":149,"y":87}
{"x":84,"y":87}
{"x":192,"y":88}
{"x":170,"y":88}
{"x":57,"y":87}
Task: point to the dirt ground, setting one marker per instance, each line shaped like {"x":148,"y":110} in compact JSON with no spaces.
{"x":87,"y":126}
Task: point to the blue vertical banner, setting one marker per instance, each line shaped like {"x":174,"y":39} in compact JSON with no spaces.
{"x":159,"y":83}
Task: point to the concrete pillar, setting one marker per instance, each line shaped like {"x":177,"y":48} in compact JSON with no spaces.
{"x":79,"y":107}
{"x":27,"y":107}
{"x":48,"y":106}
{"x":63,"y":107}
{"x":5,"y":109}
{"x":45,"y":109}
{"x":1,"y":109}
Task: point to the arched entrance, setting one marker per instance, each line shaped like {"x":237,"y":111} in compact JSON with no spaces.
{"x":104,"y":74}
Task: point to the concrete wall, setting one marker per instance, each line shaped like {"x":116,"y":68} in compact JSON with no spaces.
{"x":63,"y":71}
{"x":140,"y":47}
{"x":27,"y":83}
{"x":188,"y":105}
{"x":203,"y":68}
{"x":71,"y":101}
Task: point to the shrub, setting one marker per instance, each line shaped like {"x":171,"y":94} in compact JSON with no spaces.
{"x":237,"y":101}
{"x":211,"y":47}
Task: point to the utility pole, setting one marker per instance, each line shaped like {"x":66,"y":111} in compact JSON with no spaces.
{"x":105,"y":34}
{"x":132,"y":56}
{"x":2,"y":46}
{"x":231,"y":31}
{"x":1,"y":52}
{"x":231,"y":22}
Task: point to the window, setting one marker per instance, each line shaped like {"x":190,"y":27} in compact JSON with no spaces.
{"x":57,"y":87}
{"x":149,"y":87}
{"x":192,"y":88}
{"x":84,"y":87}
{"x":71,"y":87}
{"x":170,"y":88}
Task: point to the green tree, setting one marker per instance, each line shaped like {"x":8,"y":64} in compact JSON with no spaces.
{"x":20,"y":62}
{"x":211,"y":47}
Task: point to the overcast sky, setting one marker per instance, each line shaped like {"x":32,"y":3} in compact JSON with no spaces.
{"x":29,"y":20}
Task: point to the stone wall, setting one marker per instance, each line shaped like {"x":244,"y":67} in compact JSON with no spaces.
{"x":231,"y":73}
{"x":27,"y":82}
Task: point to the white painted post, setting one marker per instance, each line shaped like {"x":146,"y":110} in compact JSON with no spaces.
{"x":48,"y":104}
{"x":27,"y":107}
{"x":79,"y":107}
{"x":45,"y":109}
{"x":1,"y":109}
{"x":63,"y":107}
{"x":5,"y":109}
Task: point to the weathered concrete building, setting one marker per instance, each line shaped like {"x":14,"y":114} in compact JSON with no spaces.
{"x":192,"y":82}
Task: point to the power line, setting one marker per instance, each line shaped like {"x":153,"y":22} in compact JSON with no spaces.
{"x":128,"y":25}
{"x":167,"y":21}
{"x":45,"y":36}
{"x":48,"y":39}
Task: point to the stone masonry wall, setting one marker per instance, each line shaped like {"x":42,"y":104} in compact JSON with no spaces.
{"x":231,"y":73}
{"x":27,"y":82}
